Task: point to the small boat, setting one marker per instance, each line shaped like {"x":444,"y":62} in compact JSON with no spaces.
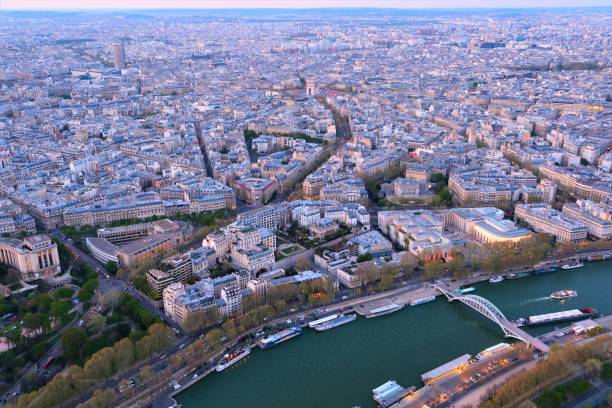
{"x":496,"y":279}
{"x":517,"y":275}
{"x":563,"y":294}
{"x":542,"y":271}
{"x":572,"y":266}
{"x":466,"y":290}
{"x":422,"y":300}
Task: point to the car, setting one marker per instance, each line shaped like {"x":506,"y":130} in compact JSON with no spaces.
{"x":181,"y":346}
{"x":195,"y":376}
{"x":177,"y":386}
{"x":163,"y":356}
{"x":344,"y":297}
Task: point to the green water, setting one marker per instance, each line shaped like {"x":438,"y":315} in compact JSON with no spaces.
{"x":340,"y":367}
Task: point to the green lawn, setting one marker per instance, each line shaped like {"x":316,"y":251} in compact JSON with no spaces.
{"x":290,"y":250}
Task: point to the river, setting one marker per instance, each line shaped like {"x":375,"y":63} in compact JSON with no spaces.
{"x":340,"y":367}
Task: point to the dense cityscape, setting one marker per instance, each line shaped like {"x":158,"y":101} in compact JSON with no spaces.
{"x":179,"y":188}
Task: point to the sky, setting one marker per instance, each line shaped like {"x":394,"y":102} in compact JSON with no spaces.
{"x":148,"y":4}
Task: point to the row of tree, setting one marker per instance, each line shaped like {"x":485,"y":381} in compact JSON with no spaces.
{"x":372,"y":276}
{"x":102,"y":365}
{"x":492,"y":258}
{"x":255,"y":311}
{"x":561,"y":364}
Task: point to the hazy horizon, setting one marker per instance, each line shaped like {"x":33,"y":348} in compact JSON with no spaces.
{"x":262,"y":4}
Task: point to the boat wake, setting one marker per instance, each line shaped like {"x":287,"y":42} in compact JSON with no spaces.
{"x":540,"y":299}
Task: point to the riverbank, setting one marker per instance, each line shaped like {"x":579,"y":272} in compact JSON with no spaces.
{"x":398,"y":346}
{"x":472,"y":398}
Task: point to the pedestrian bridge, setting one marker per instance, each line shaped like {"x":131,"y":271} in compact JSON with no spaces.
{"x":489,"y":310}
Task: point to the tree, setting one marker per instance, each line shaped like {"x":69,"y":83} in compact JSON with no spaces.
{"x":87,"y":290}
{"x":112,"y":267}
{"x":446,"y":197}
{"x":59,"y":309}
{"x":63,"y":293}
{"x":122,"y":273}
{"x":201,"y":319}
{"x":303,"y":263}
{"x":146,"y":374}
{"x":37,"y":322}
{"x":365,"y":257}
{"x":124,"y":353}
{"x":213,"y":338}
{"x":437,"y":178}
{"x":72,"y":341}
{"x":387,"y":275}
{"x":408,"y":262}
{"x":102,"y":397}
{"x":366,"y":271}
{"x":592,"y":367}
{"x":161,"y":336}
{"x":95,"y":323}
{"x":42,"y":303}
{"x":457,"y":265}
{"x":566,"y":248}
{"x":229,"y":328}
{"x":100,"y":365}
{"x":433,"y":269}
{"x":111,"y":299}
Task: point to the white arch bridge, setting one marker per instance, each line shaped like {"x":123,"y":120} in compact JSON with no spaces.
{"x":490,"y":311}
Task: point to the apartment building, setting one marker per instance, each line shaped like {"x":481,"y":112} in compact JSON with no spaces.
{"x":596,"y":217}
{"x":543,"y":218}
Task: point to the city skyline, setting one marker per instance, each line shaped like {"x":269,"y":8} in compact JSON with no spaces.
{"x":246,"y":4}
{"x":180,"y":188}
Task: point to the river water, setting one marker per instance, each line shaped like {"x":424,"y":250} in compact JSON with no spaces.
{"x":340,"y":367}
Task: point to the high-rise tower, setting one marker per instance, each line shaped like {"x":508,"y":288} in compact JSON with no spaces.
{"x":119,"y":55}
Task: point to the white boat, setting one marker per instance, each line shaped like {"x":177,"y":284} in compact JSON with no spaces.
{"x":322,"y":320}
{"x":422,"y":300}
{"x":496,"y":279}
{"x":574,"y":266}
{"x":492,"y":350}
{"x":563,"y":294}
{"x":381,"y":311}
{"x":338,"y":321}
{"x":232,"y":358}
{"x":466,"y":290}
